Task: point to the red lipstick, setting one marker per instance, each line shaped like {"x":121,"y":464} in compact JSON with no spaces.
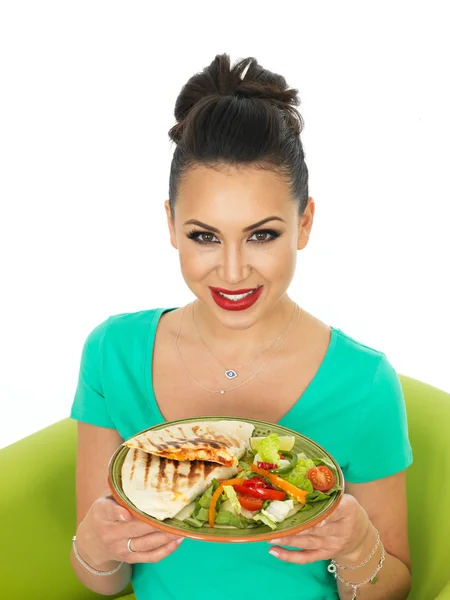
{"x":241,"y":304}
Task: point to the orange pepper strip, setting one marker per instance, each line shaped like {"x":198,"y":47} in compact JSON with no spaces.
{"x":212,"y":507}
{"x":294,"y":491}
{"x":216,"y":496}
{"x":237,"y":481}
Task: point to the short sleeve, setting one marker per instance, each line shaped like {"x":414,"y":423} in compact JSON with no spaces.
{"x":89,"y":404}
{"x":381,"y":444}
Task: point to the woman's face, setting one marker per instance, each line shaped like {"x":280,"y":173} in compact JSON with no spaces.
{"x":238,"y":230}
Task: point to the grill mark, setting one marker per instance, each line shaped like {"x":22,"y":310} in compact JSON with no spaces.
{"x":208,"y":467}
{"x":161,"y":477}
{"x":194,"y":471}
{"x":135,"y":454}
{"x":176,"y":476}
{"x":148,"y":462}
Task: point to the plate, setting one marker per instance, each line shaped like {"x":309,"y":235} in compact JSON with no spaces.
{"x":298,"y":522}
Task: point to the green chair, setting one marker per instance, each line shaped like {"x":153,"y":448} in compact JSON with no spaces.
{"x":37,"y":504}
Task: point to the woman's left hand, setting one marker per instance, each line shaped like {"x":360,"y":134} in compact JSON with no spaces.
{"x":339,"y":536}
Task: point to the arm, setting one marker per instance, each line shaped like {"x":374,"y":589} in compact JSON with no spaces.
{"x":384,"y":502}
{"x":95,"y":447}
{"x":348,"y":536}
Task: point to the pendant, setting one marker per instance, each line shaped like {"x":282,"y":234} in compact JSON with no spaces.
{"x":230,"y":374}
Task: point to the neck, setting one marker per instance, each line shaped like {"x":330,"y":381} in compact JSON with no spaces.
{"x":240,"y":344}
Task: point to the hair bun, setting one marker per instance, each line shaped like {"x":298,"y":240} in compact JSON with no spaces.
{"x":246,"y":79}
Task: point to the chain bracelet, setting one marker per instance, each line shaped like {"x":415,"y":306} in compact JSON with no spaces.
{"x":364,"y":563}
{"x":88,"y":567}
{"x":371,"y":579}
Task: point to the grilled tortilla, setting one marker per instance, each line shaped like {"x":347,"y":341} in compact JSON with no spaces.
{"x":161,"y":487}
{"x":222,"y":441}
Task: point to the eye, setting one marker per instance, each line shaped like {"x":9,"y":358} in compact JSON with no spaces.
{"x":203,"y":237}
{"x":264,"y":235}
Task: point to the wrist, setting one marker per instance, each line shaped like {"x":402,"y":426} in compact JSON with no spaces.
{"x":363,"y":545}
{"x":89,"y":551}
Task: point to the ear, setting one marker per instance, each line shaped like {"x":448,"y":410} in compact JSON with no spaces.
{"x":305,"y":224}
{"x":170,"y":224}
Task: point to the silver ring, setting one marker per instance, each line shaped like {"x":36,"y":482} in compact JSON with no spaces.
{"x":129,"y":546}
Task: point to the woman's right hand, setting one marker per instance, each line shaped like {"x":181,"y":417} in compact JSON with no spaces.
{"x":103,"y":536}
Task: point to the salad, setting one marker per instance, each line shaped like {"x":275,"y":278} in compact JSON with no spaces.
{"x":272,"y":484}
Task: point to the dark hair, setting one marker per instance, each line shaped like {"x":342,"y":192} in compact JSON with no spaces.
{"x":226,"y":119}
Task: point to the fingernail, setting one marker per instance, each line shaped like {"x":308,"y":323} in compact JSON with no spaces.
{"x":275,"y":541}
{"x":321,"y":524}
{"x":274,"y":552}
{"x":122,"y":518}
{"x":179,"y":540}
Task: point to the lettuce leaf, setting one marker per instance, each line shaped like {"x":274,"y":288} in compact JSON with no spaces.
{"x":203,"y":503}
{"x":265,"y":520}
{"x":225,"y":517}
{"x":299,"y":474}
{"x":194,"y":522}
{"x":268,"y":449}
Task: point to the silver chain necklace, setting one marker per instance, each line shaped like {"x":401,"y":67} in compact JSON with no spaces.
{"x":232,"y":373}
{"x":251,"y":377}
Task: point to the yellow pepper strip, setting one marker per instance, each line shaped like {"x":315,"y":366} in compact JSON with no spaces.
{"x":216,"y":496}
{"x":292,"y":490}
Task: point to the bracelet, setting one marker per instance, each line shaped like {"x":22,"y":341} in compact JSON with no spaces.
{"x":334,"y":564}
{"x":372,"y":579}
{"x":89,"y":568}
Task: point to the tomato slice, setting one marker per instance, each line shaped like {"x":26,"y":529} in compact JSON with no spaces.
{"x":322,"y":478}
{"x":264,"y":493}
{"x":250,"y":503}
{"x":256,"y":482}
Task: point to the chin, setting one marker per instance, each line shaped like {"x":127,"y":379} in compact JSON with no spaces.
{"x":237,"y":319}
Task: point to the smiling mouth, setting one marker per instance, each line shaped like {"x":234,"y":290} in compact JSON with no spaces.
{"x":236,"y":296}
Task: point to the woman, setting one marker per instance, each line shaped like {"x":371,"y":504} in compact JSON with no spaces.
{"x":238,"y":213}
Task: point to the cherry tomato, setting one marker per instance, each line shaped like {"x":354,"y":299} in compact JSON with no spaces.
{"x":322,"y":478}
{"x":267,"y":465}
{"x":250,"y":503}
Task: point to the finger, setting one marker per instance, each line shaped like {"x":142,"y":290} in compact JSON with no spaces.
{"x":333,"y":529}
{"x":154,"y":555}
{"x":304,"y":541}
{"x":112,"y":511}
{"x":302,"y":557}
{"x":151,"y":541}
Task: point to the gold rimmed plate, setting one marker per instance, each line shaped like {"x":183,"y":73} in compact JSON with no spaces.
{"x":298,"y":522}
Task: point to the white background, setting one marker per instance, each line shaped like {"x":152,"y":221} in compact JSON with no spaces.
{"x":87,"y":97}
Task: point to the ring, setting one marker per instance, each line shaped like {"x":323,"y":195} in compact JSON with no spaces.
{"x":129,"y":546}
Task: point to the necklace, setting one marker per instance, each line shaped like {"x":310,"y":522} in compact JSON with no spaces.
{"x":232,"y":373}
{"x":247,"y":380}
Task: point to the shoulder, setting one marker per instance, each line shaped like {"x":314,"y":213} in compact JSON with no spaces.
{"x":364,"y":360}
{"x":124,"y":327}
{"x":359,"y":371}
{"x":351,"y":359}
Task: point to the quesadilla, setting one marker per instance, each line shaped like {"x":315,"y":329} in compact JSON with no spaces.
{"x":223,"y":442}
{"x":162,"y":487}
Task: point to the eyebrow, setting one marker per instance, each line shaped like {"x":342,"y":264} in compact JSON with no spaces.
{"x":249,"y":228}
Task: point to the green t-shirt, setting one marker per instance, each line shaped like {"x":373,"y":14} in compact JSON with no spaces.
{"x":353,"y":407}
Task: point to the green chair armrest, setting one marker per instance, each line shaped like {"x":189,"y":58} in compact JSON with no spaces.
{"x":445,"y":593}
{"x":37,"y":504}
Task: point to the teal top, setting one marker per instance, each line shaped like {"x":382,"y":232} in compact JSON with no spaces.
{"x":353,"y":407}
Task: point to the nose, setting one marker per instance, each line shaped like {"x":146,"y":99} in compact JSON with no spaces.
{"x":234,"y":268}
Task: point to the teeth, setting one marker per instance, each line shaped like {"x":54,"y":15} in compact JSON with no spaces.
{"x":236,"y":297}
